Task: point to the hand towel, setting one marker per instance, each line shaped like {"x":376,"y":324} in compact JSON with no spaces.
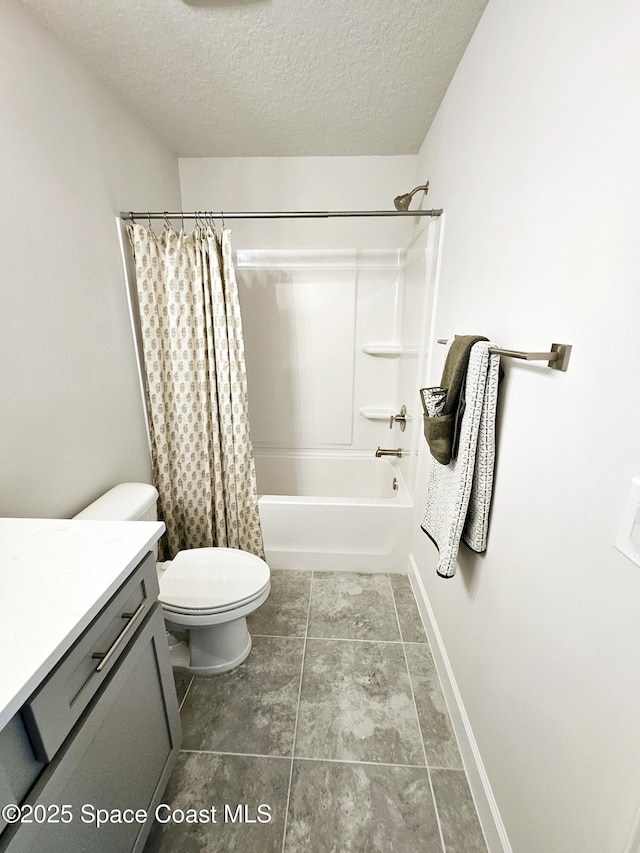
{"x":459,"y":494}
{"x":442,"y":432}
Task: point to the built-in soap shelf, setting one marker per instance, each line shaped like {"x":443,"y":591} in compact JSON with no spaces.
{"x":389,"y":350}
{"x":372,"y":414}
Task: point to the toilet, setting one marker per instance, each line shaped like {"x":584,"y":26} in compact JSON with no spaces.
{"x":206,"y":594}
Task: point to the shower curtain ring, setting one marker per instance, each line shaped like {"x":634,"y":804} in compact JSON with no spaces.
{"x":149,"y":219}
{"x":222,"y":217}
{"x":167,"y":224}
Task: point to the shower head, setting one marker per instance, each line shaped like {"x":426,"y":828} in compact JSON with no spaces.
{"x":402,"y":202}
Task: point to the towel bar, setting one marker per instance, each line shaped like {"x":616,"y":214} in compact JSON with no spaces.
{"x":557,"y":359}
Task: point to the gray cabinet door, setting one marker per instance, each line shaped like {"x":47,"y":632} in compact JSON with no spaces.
{"x":118,"y":757}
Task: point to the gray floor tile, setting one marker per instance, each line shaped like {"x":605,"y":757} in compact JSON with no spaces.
{"x":458,"y":818}
{"x":252,"y":708}
{"x":360,"y":807}
{"x":201,"y":781}
{"x":411,"y":626}
{"x":284,"y":613}
{"x":352,"y":606}
{"x":356,"y":704}
{"x":440,"y":742}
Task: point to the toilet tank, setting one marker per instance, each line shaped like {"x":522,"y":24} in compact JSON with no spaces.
{"x":124,"y":502}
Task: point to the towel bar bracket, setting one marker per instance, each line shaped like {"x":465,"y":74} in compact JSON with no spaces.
{"x":561,"y":361}
{"x":557,"y":359}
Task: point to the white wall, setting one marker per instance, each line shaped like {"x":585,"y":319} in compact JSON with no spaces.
{"x":303,"y":183}
{"x":322,"y":290}
{"x":70,"y":158}
{"x":534,"y":157}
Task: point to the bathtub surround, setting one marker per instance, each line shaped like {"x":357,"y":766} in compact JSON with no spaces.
{"x":308,"y":317}
{"x":325,"y":351}
{"x":196,"y":389}
{"x":349,"y":270}
{"x":364,"y":304}
{"x":338,"y":724}
{"x":299,"y":347}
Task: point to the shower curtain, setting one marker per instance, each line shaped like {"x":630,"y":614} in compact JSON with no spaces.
{"x":196,"y":386}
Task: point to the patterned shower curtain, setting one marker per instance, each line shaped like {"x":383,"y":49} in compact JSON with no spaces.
{"x":196,"y":383}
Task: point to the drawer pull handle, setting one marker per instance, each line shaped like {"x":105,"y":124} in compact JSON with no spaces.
{"x":106,"y":657}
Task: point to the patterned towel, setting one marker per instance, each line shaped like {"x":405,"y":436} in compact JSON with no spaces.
{"x":459,"y":494}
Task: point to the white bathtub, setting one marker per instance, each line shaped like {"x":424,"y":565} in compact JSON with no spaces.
{"x":333,"y":513}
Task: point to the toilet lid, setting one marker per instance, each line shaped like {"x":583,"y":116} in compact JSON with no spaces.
{"x":212,"y":579}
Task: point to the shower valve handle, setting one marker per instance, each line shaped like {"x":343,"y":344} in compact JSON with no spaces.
{"x":400,"y":419}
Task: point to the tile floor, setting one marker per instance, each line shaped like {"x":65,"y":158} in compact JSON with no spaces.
{"x":333,"y":735}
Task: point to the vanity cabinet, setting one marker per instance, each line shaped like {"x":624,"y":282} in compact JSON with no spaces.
{"x":102,"y":732}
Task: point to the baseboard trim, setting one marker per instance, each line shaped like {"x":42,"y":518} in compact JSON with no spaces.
{"x":486,"y":806}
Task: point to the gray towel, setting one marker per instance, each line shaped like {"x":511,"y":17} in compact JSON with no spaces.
{"x":459,"y":494}
{"x":442,"y":432}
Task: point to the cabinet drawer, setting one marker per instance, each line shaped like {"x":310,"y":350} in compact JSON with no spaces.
{"x":118,"y":756}
{"x":52,"y":710}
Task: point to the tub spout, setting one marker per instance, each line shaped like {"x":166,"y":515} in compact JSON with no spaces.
{"x":384,"y":451}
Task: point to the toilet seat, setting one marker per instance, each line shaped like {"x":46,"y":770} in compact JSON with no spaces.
{"x":208,"y":581}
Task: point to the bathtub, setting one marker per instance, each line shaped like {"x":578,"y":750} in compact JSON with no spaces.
{"x":333,"y":513}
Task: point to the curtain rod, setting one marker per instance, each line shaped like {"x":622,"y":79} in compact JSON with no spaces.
{"x":271,"y":214}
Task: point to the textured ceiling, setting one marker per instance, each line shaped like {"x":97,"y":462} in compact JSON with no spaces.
{"x":273,"y":77}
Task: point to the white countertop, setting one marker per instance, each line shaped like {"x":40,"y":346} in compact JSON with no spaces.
{"x":55,"y":577}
